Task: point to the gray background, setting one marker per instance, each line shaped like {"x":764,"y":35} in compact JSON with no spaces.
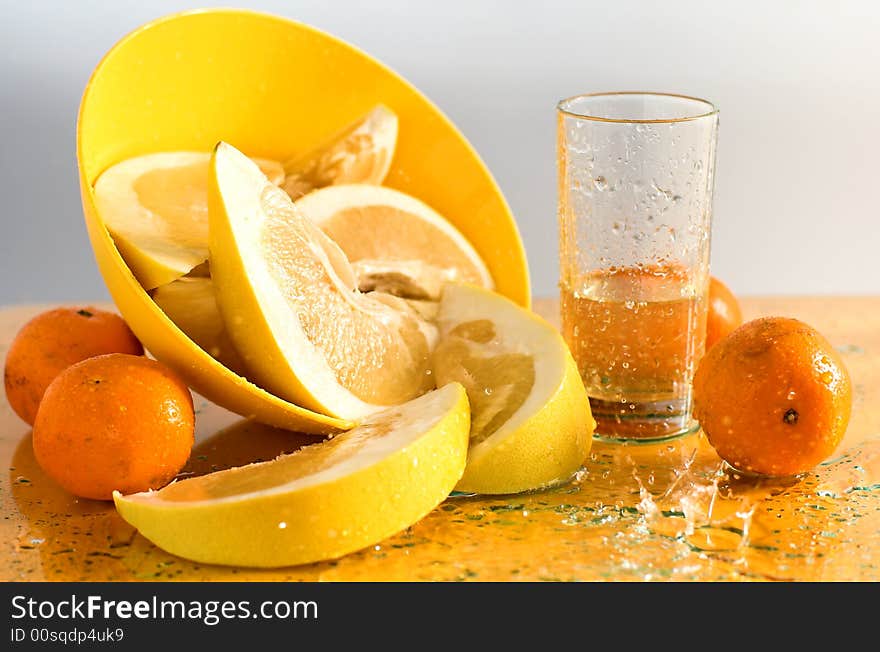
{"x":798,"y":84}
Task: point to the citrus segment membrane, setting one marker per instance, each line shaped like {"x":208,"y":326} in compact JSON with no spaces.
{"x":508,"y":360}
{"x":359,"y":153}
{"x":497,"y":381}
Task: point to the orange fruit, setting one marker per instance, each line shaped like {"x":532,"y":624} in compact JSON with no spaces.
{"x":724,"y":312}
{"x":773,"y":398}
{"x":51,"y":342}
{"x":114,"y":422}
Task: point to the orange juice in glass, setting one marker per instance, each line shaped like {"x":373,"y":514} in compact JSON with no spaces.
{"x":636,"y":172}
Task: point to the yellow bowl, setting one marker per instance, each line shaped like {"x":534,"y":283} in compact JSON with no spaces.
{"x":273,"y":88}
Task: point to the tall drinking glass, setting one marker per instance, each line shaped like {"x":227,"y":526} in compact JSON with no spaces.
{"x":636,"y":174}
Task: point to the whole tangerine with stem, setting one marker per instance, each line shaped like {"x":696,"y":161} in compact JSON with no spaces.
{"x":114,"y":422}
{"x":51,"y":342}
{"x":773,"y":397}
{"x":724,"y":315}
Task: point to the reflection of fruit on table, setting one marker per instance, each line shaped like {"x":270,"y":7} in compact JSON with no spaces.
{"x":656,"y":511}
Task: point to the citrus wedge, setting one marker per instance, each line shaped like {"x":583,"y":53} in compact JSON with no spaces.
{"x":190,"y":303}
{"x":395,"y":242}
{"x":288,"y":298}
{"x":531,"y":425}
{"x":156,"y":209}
{"x":360,"y":153}
{"x":321,"y":502}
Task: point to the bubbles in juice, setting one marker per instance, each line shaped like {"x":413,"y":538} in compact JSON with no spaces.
{"x":637,"y":334}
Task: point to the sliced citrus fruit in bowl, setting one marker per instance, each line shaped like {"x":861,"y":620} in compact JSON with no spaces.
{"x":531,"y":420}
{"x":321,"y":502}
{"x":185,"y":81}
{"x":361,"y":152}
{"x":395,"y":242}
{"x":288,"y":298}
{"x":156,"y":208}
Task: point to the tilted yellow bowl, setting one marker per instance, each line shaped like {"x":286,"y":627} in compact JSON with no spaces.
{"x":273,"y":88}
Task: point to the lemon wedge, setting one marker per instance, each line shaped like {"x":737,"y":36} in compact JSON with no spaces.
{"x":321,"y":502}
{"x":288,"y":298}
{"x":531,"y":425}
{"x":156,"y":209}
{"x":395,"y":242}
{"x":360,"y":152}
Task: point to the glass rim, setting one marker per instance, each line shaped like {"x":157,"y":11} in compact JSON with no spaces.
{"x":562,"y":108}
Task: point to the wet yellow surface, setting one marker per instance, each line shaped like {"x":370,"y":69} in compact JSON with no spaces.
{"x":667,"y":511}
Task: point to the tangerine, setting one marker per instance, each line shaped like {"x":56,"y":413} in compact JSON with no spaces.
{"x":114,"y":421}
{"x":51,"y":342}
{"x":725,"y":314}
{"x":774,"y":397}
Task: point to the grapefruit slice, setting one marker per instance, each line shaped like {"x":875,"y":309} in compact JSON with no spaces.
{"x":156,"y":209}
{"x":190,"y":303}
{"x":531,"y":420}
{"x":360,"y":153}
{"x":395,"y":242}
{"x":321,"y":502}
{"x":288,"y":297}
